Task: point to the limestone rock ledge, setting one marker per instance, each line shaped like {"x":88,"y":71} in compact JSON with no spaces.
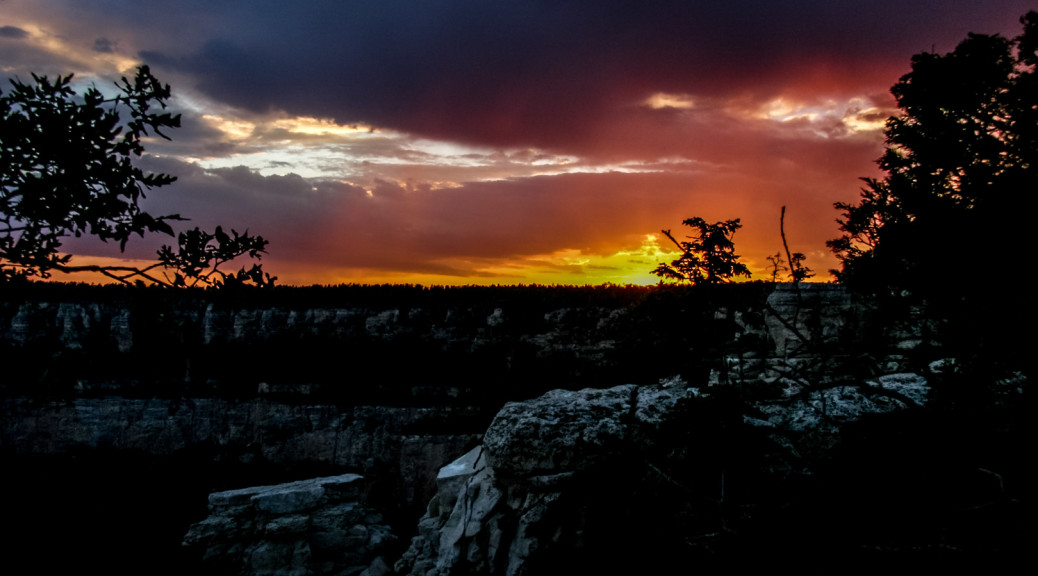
{"x":311,"y":527}
{"x":509,"y":504}
{"x":614,"y":479}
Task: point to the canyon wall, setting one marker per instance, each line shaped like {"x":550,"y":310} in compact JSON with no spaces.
{"x":733,"y":403}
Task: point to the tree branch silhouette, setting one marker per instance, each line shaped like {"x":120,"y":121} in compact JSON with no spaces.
{"x":67,"y":170}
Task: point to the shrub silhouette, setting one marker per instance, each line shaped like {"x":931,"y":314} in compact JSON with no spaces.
{"x":67,"y":169}
{"x":708,"y":257}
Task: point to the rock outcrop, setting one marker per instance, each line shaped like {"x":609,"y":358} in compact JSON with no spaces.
{"x":306,"y":528}
{"x":569,"y":478}
{"x":500,"y":504}
{"x":561,"y":480}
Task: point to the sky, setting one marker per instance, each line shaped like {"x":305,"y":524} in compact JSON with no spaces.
{"x":452,"y":142}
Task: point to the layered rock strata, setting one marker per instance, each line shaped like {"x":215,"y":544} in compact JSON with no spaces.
{"x":306,"y":528}
{"x":562,"y":480}
{"x":387,"y":442}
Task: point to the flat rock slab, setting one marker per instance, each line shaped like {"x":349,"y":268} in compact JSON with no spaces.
{"x":284,"y":498}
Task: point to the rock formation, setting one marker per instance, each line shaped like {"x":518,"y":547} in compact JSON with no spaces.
{"x":557,"y":478}
{"x":400,"y":445}
{"x":306,"y":528}
{"x":792,"y":430}
{"x":637,"y":478}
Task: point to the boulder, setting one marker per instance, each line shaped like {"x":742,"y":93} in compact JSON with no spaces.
{"x":309,"y":527}
{"x":510,"y":501}
{"x":563,"y":430}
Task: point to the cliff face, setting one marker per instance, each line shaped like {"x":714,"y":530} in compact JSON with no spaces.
{"x":115,"y":482}
{"x":315,"y":526}
{"x":475,"y":346}
{"x":369,"y":385}
{"x":373,"y":440}
{"x":688,"y":428}
{"x":612,"y":480}
{"x":781,"y":458}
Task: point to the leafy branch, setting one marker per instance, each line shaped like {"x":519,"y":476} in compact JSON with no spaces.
{"x":67,"y":170}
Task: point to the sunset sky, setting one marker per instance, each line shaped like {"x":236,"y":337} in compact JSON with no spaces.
{"x":486,"y":142}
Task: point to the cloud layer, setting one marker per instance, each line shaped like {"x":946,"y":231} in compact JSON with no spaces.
{"x":464,"y":141}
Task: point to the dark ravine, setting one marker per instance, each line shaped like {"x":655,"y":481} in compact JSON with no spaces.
{"x":751,"y":431}
{"x":134,"y":466}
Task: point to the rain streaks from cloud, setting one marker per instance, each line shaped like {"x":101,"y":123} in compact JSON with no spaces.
{"x":508,"y":142}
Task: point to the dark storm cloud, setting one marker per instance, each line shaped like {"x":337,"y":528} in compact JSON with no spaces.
{"x":12,"y":32}
{"x":105,"y":46}
{"x":775,"y":104}
{"x":21,"y":60}
{"x":542,"y":73}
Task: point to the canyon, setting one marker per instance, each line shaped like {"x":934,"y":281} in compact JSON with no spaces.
{"x":400,"y":430}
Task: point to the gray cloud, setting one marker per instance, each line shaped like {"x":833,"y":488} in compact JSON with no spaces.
{"x":532,"y":73}
{"x":532,"y":80}
{"x":543,"y":73}
{"x":12,"y":32}
{"x":105,"y":46}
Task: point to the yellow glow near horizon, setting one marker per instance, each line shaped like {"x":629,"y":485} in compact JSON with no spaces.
{"x":574,"y":266}
{"x":106,"y":261}
{"x":571,"y":267}
{"x":566,"y":267}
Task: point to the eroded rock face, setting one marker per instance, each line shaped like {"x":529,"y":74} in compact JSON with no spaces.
{"x":826,"y":409}
{"x":369,"y":439}
{"x":822,"y":313}
{"x":505,"y":503}
{"x":569,"y":479}
{"x":312,"y":527}
{"x":586,"y":478}
{"x":563,"y":431}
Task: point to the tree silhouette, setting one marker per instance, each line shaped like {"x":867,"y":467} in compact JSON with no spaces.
{"x":798,"y":271}
{"x":708,"y":257}
{"x":948,"y":229}
{"x":777,"y":266}
{"x":67,"y":169}
{"x":962,"y":172}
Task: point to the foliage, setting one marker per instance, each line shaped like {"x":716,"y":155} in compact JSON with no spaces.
{"x":798,"y":271}
{"x":777,"y":265}
{"x":961,"y":167}
{"x":708,"y":257}
{"x":944,"y":232}
{"x":200,"y":254}
{"x":67,"y":170}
